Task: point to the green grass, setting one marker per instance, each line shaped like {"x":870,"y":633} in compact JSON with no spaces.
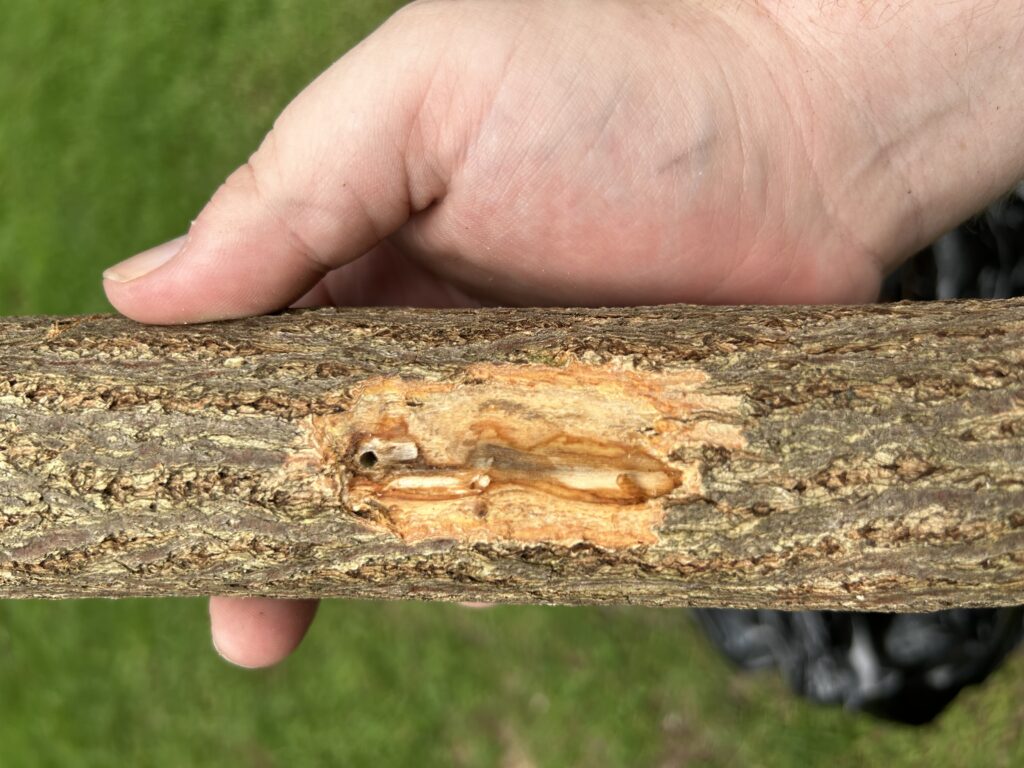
{"x":117,"y":120}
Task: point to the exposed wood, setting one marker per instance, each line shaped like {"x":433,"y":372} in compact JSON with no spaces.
{"x":802,"y":457}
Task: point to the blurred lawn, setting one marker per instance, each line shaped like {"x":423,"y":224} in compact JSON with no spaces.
{"x":117,"y":120}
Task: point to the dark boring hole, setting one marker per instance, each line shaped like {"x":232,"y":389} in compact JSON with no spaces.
{"x":367,"y":459}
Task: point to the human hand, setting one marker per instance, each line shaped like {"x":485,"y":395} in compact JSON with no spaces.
{"x":605,"y":153}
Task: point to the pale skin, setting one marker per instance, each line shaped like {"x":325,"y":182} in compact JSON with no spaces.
{"x":602,"y":152}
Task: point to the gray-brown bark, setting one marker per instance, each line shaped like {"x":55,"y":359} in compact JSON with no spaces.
{"x":801,"y":457}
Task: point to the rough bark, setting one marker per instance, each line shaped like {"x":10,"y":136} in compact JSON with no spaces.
{"x":805,"y":457}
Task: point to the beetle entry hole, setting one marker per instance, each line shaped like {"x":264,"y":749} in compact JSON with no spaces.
{"x":368,"y":459}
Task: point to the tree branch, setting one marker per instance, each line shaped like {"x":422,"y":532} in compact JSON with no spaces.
{"x":862,"y":458}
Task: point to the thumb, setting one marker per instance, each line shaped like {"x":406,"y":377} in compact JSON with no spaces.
{"x":334,"y":176}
